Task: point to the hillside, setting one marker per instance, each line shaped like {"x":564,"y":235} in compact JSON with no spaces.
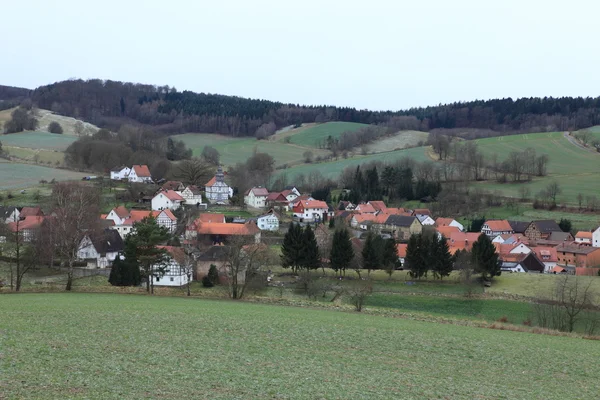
{"x":122,"y":345}
{"x":315,"y":136}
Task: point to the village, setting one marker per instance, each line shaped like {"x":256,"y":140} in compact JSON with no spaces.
{"x":209,"y":225}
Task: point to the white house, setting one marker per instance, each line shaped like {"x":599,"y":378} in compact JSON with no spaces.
{"x":495,"y":227}
{"x":174,"y":272}
{"x":425,"y":219}
{"x":167,"y":219}
{"x":596,"y":237}
{"x":256,"y":197}
{"x":268,"y":222}
{"x":119,"y":173}
{"x":191,"y":196}
{"x":9,"y":214}
{"x":118,"y":215}
{"x":101,"y":251}
{"x":584,"y":237}
{"x":521,"y":248}
{"x":310,"y":210}
{"x":164,"y":218}
{"x":216,"y":190}
{"x":167,"y":200}
{"x":140,"y":174}
{"x":449,"y":222}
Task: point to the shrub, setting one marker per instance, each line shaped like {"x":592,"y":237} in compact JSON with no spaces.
{"x":503,"y":319}
{"x":213,"y":274}
{"x":9,"y":195}
{"x":55,"y":127}
{"x":206,"y":282}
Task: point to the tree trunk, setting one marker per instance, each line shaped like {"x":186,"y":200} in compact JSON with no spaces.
{"x":70,"y":276}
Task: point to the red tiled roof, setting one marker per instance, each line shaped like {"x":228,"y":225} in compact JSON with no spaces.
{"x":139,"y":215}
{"x":401,"y":249}
{"x":499,"y":225}
{"x":583,"y":235}
{"x":447,"y":231}
{"x":549,"y":252}
{"x":176,"y":253}
{"x":397,"y":211}
{"x":503,"y":249}
{"x":30,"y":222}
{"x":258,"y":191}
{"x":366,"y":208}
{"x":219,"y":228}
{"x":558,"y":270}
{"x":314,"y":204}
{"x":121,"y":211}
{"x":210,"y":218}
{"x":172,"y":195}
{"x":276,"y":197}
{"x":172,"y":185}
{"x":142,"y":171}
{"x":169,"y":214}
{"x":378,"y":205}
{"x":441,"y":221}
{"x":463,"y":240}
{"x":421,"y":211}
{"x":31,"y":211}
{"x":103,"y":216}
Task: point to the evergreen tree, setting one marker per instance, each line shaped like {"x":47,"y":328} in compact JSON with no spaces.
{"x":213,"y":274}
{"x":116,"y":272}
{"x":142,"y":246}
{"x":372,"y":252}
{"x":126,"y":271}
{"x":389,"y":257}
{"x":342,"y":251}
{"x":476,"y":224}
{"x":485,"y":258}
{"x":565,"y":225}
{"x":309,"y":252}
{"x":440,"y":257}
{"x":331,"y":223}
{"x":291,"y":249}
{"x":415,"y":259}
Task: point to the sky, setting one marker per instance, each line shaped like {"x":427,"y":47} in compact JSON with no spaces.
{"x":376,"y":54}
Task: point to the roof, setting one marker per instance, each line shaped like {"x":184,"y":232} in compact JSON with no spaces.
{"x":462,"y":240}
{"x":258,"y":191}
{"x":210,"y":218}
{"x":558,"y":270}
{"x":171,"y":195}
{"x":447,"y":231}
{"x":29,"y":222}
{"x":31,"y":211}
{"x":5,"y":212}
{"x":583,"y":235}
{"x":121,"y":211}
{"x":576,"y":248}
{"x":275,"y":196}
{"x":397,"y":211}
{"x":142,"y":171}
{"x":422,"y":217}
{"x":498,"y":225}
{"x":267,"y":214}
{"x":194,"y":189}
{"x":118,"y":169}
{"x":366,"y":208}
{"x":315,"y":204}
{"x":172,"y":185}
{"x":441,"y":221}
{"x":547,"y":254}
{"x":560,"y":236}
{"x":378,"y":205}
{"x":108,"y":241}
{"x":176,"y":253}
{"x":400,"y":220}
{"x":421,"y":211}
{"x":504,"y":248}
{"x":547,"y":226}
{"x":139,"y":215}
{"x":401,"y":249}
{"x":519,"y":226}
{"x":220,"y":228}
{"x":169,"y":214}
{"x":287,"y":192}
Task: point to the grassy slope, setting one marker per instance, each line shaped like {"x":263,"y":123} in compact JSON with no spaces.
{"x":312,"y":137}
{"x":399,"y":140}
{"x":575,"y":169}
{"x":16,"y":176}
{"x":130,"y":347}
{"x":38,"y":140}
{"x":234,"y":150}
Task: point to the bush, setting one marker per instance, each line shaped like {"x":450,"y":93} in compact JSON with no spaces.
{"x":213,"y":274}
{"x":55,"y":127}
{"x":206,"y":282}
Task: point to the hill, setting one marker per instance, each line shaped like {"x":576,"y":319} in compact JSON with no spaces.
{"x":315,"y":136}
{"x":130,"y":346}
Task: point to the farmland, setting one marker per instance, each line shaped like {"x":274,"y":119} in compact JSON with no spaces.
{"x":17,"y":176}
{"x":129,"y":347}
{"x":37,"y":140}
{"x":314,"y":136}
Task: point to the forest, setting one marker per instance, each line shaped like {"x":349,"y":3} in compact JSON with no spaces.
{"x":111,"y":104}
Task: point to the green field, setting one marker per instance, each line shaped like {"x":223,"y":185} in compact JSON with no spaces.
{"x":27,"y":154}
{"x":38,"y":140}
{"x":234,"y":150}
{"x":314,"y":136}
{"x":399,"y":140}
{"x":82,"y":346}
{"x":17,"y":176}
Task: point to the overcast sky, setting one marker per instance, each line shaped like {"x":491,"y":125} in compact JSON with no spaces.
{"x":367,"y":54}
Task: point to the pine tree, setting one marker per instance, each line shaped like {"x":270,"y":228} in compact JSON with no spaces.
{"x":116,"y":272}
{"x":213,"y":274}
{"x":372,"y":252}
{"x":331,"y":223}
{"x":485,"y":258}
{"x":389,"y":257}
{"x":309,"y":253}
{"x":441,"y":261}
{"x":415,"y":260}
{"x":342,"y":251}
{"x":292,"y":247}
{"x":125,"y":271}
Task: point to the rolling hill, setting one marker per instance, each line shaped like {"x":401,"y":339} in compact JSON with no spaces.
{"x":315,"y":135}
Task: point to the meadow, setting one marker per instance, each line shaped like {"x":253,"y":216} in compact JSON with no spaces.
{"x":18,"y":176}
{"x":38,"y":140}
{"x":316,"y":135}
{"x":130,"y":347}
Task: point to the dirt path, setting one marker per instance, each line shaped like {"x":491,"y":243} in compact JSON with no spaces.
{"x":576,"y":143}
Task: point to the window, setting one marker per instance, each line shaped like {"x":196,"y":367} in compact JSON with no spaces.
{"x":172,"y":279}
{"x":157,"y":279}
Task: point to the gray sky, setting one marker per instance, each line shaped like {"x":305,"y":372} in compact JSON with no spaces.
{"x":367,"y":54}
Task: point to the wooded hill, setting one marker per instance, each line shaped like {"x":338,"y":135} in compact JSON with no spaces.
{"x":111,"y":104}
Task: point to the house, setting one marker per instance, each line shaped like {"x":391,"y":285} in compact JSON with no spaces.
{"x":175,"y":271}
{"x":495,"y":227}
{"x":192,"y":196}
{"x":519,"y":226}
{"x":510,"y":238}
{"x":139,"y":174}
{"x":446,"y":231}
{"x":277,"y":200}
{"x":378,"y":205}
{"x":560,"y":237}
{"x":290,"y":195}
{"x":164,"y":218}
{"x":421,"y":211}
{"x":292,"y":189}
{"x":217,"y":232}
{"x":425,"y":219}
{"x":9,"y":214}
{"x":191,"y":231}
{"x":584,"y":237}
{"x":118,"y":173}
{"x":268,"y":221}
{"x":298,"y":199}
{"x":541,"y":229}
{"x":214,"y":255}
{"x":365,"y":208}
{"x":101,"y":250}
{"x":520,"y":248}
{"x":399,"y":226}
{"x":362,"y":221}
{"x":578,"y":257}
{"x":548,"y":256}
{"x":31,"y":212}
{"x":448,"y":222}
{"x":521,"y":262}
{"x":27,"y":226}
{"x":118,"y":215}
{"x":596,"y":237}
{"x":177,"y":186}
{"x":401,"y":250}
{"x":462,"y":241}
{"x":256,"y":197}
{"x":167,"y":200}
{"x":216,"y":190}
{"x":310,"y":210}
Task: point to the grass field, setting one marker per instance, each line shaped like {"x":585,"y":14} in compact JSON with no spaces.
{"x":400,"y":140}
{"x":317,"y":134}
{"x":132,"y":347}
{"x":43,"y":156}
{"x":234,"y":150}
{"x":17,"y":176}
{"x":37,"y":140}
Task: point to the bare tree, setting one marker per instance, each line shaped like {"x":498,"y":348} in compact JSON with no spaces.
{"x":187,"y":267}
{"x":580,"y":200}
{"x":79,"y":129}
{"x":194,"y":171}
{"x":552,"y":190}
{"x":75,"y":216}
{"x":210,"y":155}
{"x":359,"y":292}
{"x":308,"y":156}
